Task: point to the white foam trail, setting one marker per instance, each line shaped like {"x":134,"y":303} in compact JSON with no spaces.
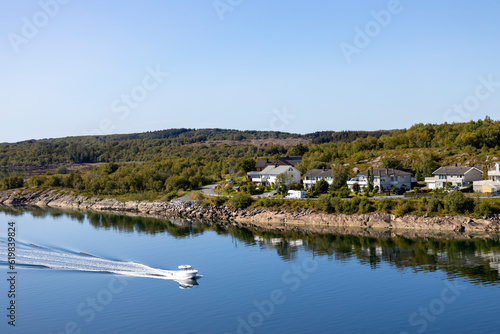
{"x":32,"y":255}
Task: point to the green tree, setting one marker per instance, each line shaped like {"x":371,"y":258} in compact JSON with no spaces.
{"x":247,"y":165}
{"x":318,"y":165}
{"x":325,"y":204}
{"x":424,"y":165}
{"x":11,"y":182}
{"x":371,"y":178}
{"x":340,"y":174}
{"x":297,"y":150}
{"x":456,"y":202}
{"x":61,"y":170}
{"x":282,"y":183}
{"x":482,"y":208}
{"x":321,"y":187}
{"x":391,"y":162}
{"x":241,"y":201}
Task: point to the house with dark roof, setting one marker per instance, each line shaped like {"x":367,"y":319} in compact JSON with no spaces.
{"x":460,"y":177}
{"x":261,"y":164}
{"x":383,"y":178}
{"x":314,"y":175}
{"x":282,"y":161}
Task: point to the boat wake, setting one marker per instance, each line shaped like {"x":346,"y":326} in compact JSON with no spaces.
{"x":30,"y":255}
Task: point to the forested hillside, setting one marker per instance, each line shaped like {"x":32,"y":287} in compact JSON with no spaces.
{"x":166,"y":162}
{"x":165,"y":143}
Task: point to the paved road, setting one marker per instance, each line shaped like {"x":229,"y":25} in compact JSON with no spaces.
{"x":389,"y":197}
{"x":266,"y":194}
{"x":209,"y":190}
{"x":206,"y":190}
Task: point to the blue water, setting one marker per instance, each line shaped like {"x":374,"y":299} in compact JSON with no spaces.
{"x":253,"y":282}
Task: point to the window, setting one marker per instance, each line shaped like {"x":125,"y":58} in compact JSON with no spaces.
{"x":442,"y":177}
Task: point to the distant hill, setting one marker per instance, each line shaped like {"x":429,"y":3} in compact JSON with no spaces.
{"x":344,"y":136}
{"x":215,"y":144}
{"x":150,"y":145}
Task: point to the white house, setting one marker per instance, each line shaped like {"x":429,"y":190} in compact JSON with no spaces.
{"x":269,"y":174}
{"x":383,"y":178}
{"x":492,"y":184}
{"x":314,"y":175}
{"x":460,"y":177}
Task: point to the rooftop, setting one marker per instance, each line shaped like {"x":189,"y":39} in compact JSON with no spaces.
{"x":273,"y":170}
{"x":386,"y":172}
{"x":319,"y":173}
{"x":454,"y":170}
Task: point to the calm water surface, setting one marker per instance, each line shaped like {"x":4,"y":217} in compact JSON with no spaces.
{"x":87,"y":273}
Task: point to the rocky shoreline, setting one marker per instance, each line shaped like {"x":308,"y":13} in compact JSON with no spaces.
{"x":262,"y":218}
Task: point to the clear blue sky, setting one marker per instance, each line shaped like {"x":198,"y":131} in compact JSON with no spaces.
{"x":275,"y":65}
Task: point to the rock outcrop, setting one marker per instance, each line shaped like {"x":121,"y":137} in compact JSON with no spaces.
{"x":257,"y":217}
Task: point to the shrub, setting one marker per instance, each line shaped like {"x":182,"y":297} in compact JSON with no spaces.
{"x":171,"y":195}
{"x":325,"y":204}
{"x":482,"y":208}
{"x":423,"y":204}
{"x":385,"y":205}
{"x":11,"y":182}
{"x":354,"y":205}
{"x":241,"y":201}
{"x":260,"y":189}
{"x":220,"y":200}
{"x":456,"y":202}
{"x":364,"y":206}
{"x":54,"y":181}
{"x":342,"y":192}
{"x":403,"y":208}
{"x":407,"y":207}
{"x":61,"y":170}
{"x":321,"y":187}
{"x":433,"y":204}
{"x":398,"y":211}
{"x":197,"y":196}
{"x":336,"y":204}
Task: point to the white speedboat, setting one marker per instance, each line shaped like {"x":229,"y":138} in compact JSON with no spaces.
{"x":185,"y":271}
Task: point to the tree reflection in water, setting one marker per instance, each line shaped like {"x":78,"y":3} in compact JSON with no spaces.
{"x":474,"y":258}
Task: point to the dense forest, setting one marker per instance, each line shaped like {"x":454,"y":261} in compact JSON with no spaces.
{"x":166,"y":143}
{"x":471,"y":136}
